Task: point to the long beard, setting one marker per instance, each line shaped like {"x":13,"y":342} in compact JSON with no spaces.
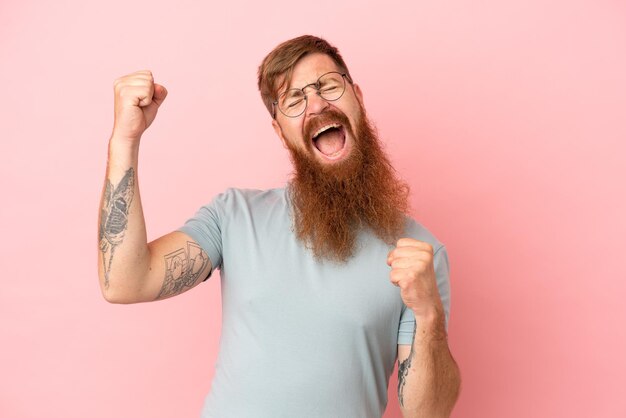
{"x":333,"y":203}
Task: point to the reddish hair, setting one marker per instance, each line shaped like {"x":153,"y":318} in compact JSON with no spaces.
{"x":281,"y":60}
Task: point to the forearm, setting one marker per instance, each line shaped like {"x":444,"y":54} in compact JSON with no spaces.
{"x":429,"y":379}
{"x":122,"y":248}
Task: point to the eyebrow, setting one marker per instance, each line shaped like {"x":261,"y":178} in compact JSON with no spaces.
{"x":308,"y":84}
{"x":290,"y":86}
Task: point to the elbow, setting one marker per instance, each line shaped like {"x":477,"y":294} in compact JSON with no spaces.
{"x":455,"y":388}
{"x":115,"y":298}
{"x":457,"y":379}
{"x":120,"y":296}
{"x":111,"y":296}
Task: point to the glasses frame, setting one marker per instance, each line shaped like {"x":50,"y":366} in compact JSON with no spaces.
{"x":317,"y":86}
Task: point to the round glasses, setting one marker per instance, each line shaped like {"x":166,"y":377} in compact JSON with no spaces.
{"x":330,"y":86}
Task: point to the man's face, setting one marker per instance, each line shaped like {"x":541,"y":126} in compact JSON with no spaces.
{"x":333,"y":145}
{"x":342,"y":179}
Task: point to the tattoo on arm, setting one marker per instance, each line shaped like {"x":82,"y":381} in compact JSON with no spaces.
{"x":403,"y":370}
{"x":114,"y":218}
{"x":182,"y":269}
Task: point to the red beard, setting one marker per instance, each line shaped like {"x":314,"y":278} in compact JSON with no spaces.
{"x":333,"y":202}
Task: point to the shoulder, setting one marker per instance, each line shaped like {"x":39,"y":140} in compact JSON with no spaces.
{"x":233,"y":201}
{"x":238,"y":196}
{"x":414,"y":229}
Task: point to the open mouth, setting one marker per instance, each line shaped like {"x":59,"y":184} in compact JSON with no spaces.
{"x":330,"y":140}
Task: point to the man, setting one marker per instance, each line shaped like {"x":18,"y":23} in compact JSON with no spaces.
{"x":324,"y":281}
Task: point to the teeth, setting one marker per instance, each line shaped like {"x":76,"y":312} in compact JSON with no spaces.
{"x":325,"y":128}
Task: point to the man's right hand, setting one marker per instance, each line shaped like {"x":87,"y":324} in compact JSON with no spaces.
{"x":137,"y":99}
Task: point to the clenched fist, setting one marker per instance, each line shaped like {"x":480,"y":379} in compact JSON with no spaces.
{"x":413,"y":271}
{"x":137,"y":99}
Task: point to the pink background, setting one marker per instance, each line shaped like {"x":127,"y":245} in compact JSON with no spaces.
{"x":507,"y":118}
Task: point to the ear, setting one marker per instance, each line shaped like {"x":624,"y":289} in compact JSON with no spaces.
{"x":279,"y":132}
{"x":359,"y":94}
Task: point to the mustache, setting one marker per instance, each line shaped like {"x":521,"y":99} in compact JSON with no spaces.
{"x":324,"y":118}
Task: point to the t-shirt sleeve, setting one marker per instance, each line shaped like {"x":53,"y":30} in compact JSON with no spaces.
{"x":205,"y":227}
{"x":442,"y":272}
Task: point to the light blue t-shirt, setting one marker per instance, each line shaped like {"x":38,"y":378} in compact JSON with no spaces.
{"x":301,"y":338}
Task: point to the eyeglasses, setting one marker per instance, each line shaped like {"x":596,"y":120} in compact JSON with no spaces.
{"x":330,"y":87}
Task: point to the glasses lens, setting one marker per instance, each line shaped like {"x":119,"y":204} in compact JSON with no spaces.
{"x":292,"y":102}
{"x":332,"y":86}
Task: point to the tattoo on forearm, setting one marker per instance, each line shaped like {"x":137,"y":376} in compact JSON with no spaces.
{"x":182,"y":269}
{"x":403,"y":370}
{"x":114,"y":218}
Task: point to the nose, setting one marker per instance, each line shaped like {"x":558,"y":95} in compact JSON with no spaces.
{"x":316,"y":104}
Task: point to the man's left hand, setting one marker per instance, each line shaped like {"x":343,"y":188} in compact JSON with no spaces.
{"x":413,"y":271}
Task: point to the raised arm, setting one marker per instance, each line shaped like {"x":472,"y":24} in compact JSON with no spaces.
{"x":131,"y":270}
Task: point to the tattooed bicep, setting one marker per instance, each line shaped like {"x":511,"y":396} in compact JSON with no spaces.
{"x":184,"y":268}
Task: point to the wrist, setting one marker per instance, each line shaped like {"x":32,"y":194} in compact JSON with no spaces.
{"x":123,"y":146}
{"x":430,"y":324}
{"x":121,"y":141}
{"x":430,"y":312}
{"x":122,"y":154}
